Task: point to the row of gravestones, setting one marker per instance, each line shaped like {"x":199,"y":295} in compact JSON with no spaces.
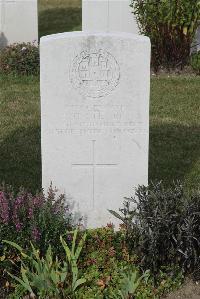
{"x":19,"y":19}
{"x":94,"y":109}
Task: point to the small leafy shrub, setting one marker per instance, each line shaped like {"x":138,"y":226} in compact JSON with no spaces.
{"x":107,"y":266}
{"x":101,"y":262}
{"x":98,"y":266}
{"x":49,"y":277}
{"x":168,"y":280}
{"x":171,"y":25}
{"x":112,"y":272}
{"x":20,"y":59}
{"x":195,"y":62}
{"x":163,"y":226}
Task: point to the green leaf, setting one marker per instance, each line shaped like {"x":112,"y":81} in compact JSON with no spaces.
{"x":185,"y":30}
{"x":74,"y":241}
{"x":25,"y":278}
{"x":26,"y":286}
{"x":35,"y":252}
{"x":116,"y":215}
{"x":63,"y":276}
{"x":19,"y":248}
{"x":55,"y":277}
{"x":80,"y":246}
{"x":67,"y":250}
{"x":78,"y":283}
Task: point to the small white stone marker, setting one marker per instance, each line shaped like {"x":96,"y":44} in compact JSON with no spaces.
{"x":18,"y":21}
{"x":108,"y":16}
{"x":95,"y":118}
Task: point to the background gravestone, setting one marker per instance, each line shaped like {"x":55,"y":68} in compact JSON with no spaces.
{"x":18,"y":21}
{"x":108,"y":16}
{"x":95,"y":118}
{"x":197,"y":42}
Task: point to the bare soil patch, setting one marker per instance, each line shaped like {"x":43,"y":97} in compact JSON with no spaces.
{"x":190,"y":290}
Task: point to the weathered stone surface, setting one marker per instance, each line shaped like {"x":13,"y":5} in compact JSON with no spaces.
{"x":108,"y":16}
{"x":18,"y":21}
{"x":95,"y":118}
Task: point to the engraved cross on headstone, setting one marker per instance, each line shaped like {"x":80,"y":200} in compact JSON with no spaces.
{"x":93,"y":165}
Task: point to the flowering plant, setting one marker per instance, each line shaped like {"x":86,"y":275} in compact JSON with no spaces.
{"x":20,"y":59}
{"x":37,"y":218}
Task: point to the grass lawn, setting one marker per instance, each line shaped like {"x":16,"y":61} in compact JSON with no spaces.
{"x":174,"y":131}
{"x":174,"y":116}
{"x":20,"y":162}
{"x":59,"y":16}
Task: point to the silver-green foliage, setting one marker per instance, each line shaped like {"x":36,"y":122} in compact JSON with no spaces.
{"x":130,"y":282}
{"x":46,"y":277}
{"x":72,"y":258}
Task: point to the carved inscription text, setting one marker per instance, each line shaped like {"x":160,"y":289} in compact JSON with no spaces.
{"x":99,"y":119}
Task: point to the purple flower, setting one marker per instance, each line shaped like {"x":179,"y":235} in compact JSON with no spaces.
{"x":69,"y":237}
{"x":30,"y":213}
{"x":17,"y":207}
{"x":18,"y":201}
{"x":36,"y":234}
{"x":4,"y":208}
{"x":18,"y":226}
{"x":38,"y":201}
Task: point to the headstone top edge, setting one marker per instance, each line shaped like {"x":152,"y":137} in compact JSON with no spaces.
{"x":17,"y":1}
{"x":57,"y":36}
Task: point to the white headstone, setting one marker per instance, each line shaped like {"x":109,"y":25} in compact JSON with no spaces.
{"x":198,"y":39}
{"x":18,"y":21}
{"x":108,"y":16}
{"x":95,"y":118}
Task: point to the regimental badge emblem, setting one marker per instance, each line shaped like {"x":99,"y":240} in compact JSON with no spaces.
{"x":94,"y":73}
